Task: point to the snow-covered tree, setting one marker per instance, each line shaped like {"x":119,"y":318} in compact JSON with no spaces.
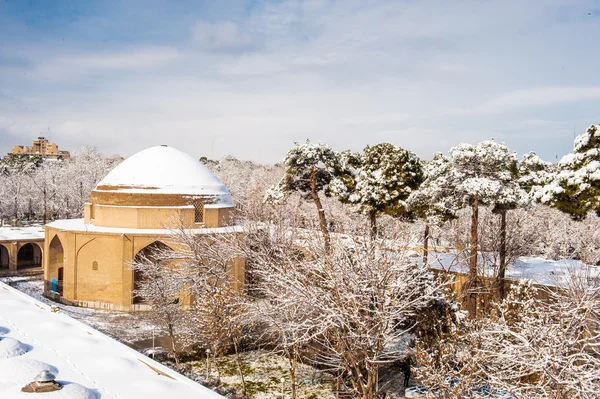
{"x":353,"y":305}
{"x":514,"y":197}
{"x":160,"y":282}
{"x":309,"y":170}
{"x":220,"y":317}
{"x":473,"y":176}
{"x":539,"y":343}
{"x":379,"y":180}
{"x":14,"y":179}
{"x":575,"y":188}
{"x":534,"y":172}
{"x":425,"y":203}
{"x":45,"y":181}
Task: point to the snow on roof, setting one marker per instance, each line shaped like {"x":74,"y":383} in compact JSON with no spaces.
{"x":21,"y":233}
{"x":166,"y":170}
{"x":90,"y":364}
{"x":80,"y":225}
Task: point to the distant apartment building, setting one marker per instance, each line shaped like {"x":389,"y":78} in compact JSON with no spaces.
{"x":41,"y":147}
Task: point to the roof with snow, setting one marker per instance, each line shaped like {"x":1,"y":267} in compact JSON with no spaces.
{"x":21,"y":233}
{"x":164,"y":170}
{"x":80,"y":225}
{"x":89,"y":364}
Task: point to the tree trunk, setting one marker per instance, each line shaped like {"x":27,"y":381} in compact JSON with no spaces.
{"x":16,"y":211}
{"x":317,"y":201}
{"x":45,"y":207}
{"x":472,"y":284}
{"x":239,"y":366}
{"x":426,"y":244}
{"x":172,"y":335}
{"x":292,"y":361}
{"x":502,"y":268}
{"x":373,"y":221}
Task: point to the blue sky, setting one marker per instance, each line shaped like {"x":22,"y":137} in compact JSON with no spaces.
{"x":249,"y":78}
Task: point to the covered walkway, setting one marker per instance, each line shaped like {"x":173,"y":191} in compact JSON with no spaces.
{"x":21,"y":250}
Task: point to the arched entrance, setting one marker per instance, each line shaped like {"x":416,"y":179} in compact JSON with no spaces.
{"x":4,"y":257}
{"x":150,"y":254}
{"x":29,"y":255}
{"x":55,"y":273}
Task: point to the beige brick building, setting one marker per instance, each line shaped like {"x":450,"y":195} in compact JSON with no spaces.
{"x":132,"y":209}
{"x":41,"y":146}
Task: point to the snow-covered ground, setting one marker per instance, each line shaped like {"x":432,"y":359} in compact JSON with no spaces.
{"x":539,"y":270}
{"x":88,"y":363}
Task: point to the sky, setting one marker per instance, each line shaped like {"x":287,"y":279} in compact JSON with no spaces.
{"x":249,"y":78}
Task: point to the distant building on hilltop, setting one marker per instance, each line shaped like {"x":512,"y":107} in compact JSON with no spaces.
{"x":41,"y":147}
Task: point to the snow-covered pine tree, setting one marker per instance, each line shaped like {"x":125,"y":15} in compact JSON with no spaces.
{"x":383,"y":177}
{"x":309,"y":169}
{"x":474,"y":175}
{"x":512,"y":197}
{"x":575,"y":188}
{"x":534,"y":172}
{"x":426,"y":205}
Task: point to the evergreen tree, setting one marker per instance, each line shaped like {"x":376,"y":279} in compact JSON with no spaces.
{"x":309,"y":170}
{"x":514,"y":197}
{"x":473,"y":176}
{"x":379,"y":180}
{"x":534,"y":173}
{"x":424,"y":203}
{"x":575,"y":188}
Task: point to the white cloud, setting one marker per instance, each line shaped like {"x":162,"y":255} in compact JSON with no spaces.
{"x":536,"y":97}
{"x":65,"y":66}
{"x":223,"y":36}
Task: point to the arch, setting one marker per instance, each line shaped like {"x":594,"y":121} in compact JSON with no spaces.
{"x":4,"y":257}
{"x":55,"y":273}
{"x":151,"y":253}
{"x":29,"y":255}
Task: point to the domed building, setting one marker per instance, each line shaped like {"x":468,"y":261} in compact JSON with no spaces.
{"x":133,"y":209}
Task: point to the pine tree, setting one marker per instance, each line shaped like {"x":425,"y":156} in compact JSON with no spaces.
{"x":534,"y":172}
{"x":473,"y":176}
{"x":379,"y":181}
{"x":309,"y":170}
{"x":514,"y":197}
{"x":424,"y":203}
{"x":575,"y":188}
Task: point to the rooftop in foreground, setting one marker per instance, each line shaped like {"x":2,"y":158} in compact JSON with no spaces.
{"x":90,"y":364}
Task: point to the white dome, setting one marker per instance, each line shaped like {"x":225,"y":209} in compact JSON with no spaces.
{"x":10,"y":347}
{"x":164,"y":170}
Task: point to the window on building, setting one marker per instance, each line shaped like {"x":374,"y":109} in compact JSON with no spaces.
{"x":198,"y":212}
{"x":94,"y":265}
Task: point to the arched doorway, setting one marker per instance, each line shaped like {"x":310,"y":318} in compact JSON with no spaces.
{"x":29,"y":255}
{"x":55,"y":273}
{"x":4,"y":257}
{"x":150,"y":254}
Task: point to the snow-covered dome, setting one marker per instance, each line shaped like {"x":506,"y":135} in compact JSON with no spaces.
{"x":164,"y":170}
{"x":10,"y":347}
